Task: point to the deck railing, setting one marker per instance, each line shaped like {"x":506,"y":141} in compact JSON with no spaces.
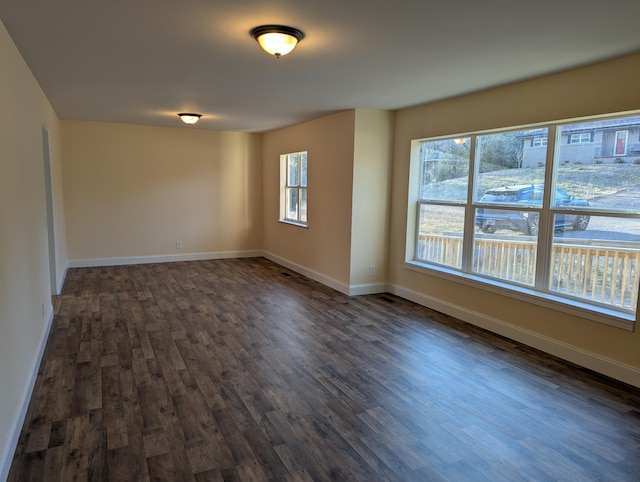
{"x":608,"y":274}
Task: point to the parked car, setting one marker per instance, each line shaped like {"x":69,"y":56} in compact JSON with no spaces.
{"x":489,"y":220}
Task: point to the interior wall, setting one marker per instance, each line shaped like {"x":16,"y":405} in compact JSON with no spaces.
{"x":371,"y":190}
{"x":598,"y":89}
{"x":25,"y":288}
{"x":135,"y":191}
{"x":324,"y":246}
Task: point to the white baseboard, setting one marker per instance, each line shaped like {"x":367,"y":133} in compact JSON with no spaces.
{"x":18,"y":421}
{"x":368,"y":289}
{"x":361,"y":289}
{"x":60,"y":280}
{"x":164,"y":258}
{"x":309,"y":273}
{"x":593,"y":361}
{"x":350,"y":290}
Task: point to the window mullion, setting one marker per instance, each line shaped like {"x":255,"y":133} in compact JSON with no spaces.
{"x":545,"y":234}
{"x":469,"y":218}
{"x":417,"y":230}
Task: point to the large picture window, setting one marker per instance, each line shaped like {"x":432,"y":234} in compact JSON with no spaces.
{"x":293,"y":183}
{"x":562,"y":228}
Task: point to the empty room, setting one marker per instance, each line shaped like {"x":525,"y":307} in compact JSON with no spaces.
{"x":335,"y":241}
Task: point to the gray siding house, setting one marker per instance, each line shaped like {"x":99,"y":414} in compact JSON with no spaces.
{"x":604,"y":142}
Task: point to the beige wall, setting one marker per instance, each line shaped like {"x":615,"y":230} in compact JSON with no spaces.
{"x":25,"y":288}
{"x":604,"y":88}
{"x":134,"y":191}
{"x":323,"y":247}
{"x":371,"y":190}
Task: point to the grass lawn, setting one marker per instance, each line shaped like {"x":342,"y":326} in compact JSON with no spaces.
{"x":582,"y":181}
{"x":591,"y":182}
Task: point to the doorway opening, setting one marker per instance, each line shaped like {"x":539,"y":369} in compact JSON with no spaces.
{"x":48,"y":186}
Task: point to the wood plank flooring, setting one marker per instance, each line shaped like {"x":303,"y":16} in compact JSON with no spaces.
{"x":241,"y":370}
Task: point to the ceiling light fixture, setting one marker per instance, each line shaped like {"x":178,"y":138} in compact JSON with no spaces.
{"x":189,"y":118}
{"x":277,"y":40}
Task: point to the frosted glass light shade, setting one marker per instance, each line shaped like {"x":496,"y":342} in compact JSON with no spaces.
{"x":277,"y":40}
{"x":277,"y":43}
{"x":189,"y":118}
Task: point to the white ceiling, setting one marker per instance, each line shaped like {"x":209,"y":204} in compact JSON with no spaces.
{"x":142,"y":61}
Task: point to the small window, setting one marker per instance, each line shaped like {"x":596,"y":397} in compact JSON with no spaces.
{"x":293,"y":181}
{"x":581,"y":138}
{"x":539,"y":141}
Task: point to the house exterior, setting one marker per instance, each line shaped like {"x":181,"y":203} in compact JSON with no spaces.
{"x":605,"y":142}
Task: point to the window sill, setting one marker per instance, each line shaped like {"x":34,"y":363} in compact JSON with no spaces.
{"x":599,"y":314}
{"x":294,"y":223}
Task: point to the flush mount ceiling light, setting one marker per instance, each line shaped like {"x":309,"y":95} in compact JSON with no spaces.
{"x":189,"y":118}
{"x":277,"y":40}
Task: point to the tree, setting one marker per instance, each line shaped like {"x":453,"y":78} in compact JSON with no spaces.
{"x":500,"y":151}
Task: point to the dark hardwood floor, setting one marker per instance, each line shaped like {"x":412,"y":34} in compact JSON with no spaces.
{"x":242,"y":370}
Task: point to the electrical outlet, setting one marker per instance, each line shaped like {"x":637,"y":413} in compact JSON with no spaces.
{"x":178,"y":244}
{"x":372,"y":270}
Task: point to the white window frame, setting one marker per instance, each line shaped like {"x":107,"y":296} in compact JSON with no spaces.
{"x":540,"y":141}
{"x":580,"y":138}
{"x":540,"y":293}
{"x":286,"y":186}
